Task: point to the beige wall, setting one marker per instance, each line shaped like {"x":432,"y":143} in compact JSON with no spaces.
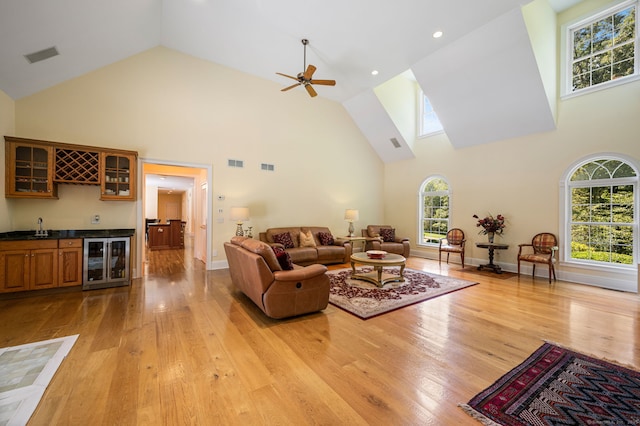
{"x":7,"y":127}
{"x":171,"y":106}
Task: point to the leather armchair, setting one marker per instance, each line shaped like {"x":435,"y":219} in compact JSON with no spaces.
{"x":382,"y":237}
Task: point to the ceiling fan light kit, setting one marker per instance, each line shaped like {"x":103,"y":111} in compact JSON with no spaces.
{"x":305,"y":78}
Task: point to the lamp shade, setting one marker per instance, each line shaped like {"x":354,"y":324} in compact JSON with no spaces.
{"x":351,"y":215}
{"x":239,"y":214}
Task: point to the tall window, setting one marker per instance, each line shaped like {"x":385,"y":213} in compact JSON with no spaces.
{"x":603,"y":47}
{"x":603,"y":223}
{"x":434,"y":215}
{"x":429,"y":122}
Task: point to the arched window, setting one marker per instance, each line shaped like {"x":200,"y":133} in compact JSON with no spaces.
{"x":601,"y":212}
{"x":434,"y":210}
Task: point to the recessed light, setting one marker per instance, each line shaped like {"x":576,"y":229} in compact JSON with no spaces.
{"x":437,"y":34}
{"x":374,"y":72}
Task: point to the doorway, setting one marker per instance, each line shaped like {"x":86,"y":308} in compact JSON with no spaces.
{"x":173,"y":191}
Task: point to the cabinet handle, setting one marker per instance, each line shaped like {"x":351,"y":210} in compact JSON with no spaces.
{"x":160,"y":230}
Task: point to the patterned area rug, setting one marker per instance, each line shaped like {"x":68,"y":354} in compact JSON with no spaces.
{"x":557,"y":386}
{"x":25,"y":373}
{"x":365,"y":300}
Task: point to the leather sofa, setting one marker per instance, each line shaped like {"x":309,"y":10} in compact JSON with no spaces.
{"x":255,"y":270}
{"x":320,"y":252}
{"x":376,"y":234}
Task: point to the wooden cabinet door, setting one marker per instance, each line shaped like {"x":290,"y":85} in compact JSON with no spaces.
{"x":43,"y":269}
{"x":159,"y":237}
{"x":70,"y":262}
{"x":14,"y":270}
{"x":118,"y":176}
{"x":29,"y":170}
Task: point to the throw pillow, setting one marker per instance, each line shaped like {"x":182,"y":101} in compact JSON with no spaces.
{"x":284,"y":259}
{"x":306,"y":239}
{"x":284,"y":239}
{"x":325,"y":238}
{"x":388,"y":234}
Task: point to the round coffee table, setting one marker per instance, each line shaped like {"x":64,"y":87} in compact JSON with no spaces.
{"x":376,"y":276}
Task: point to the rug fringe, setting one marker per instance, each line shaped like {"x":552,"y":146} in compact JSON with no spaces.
{"x":478,"y":416}
{"x":611,"y":361}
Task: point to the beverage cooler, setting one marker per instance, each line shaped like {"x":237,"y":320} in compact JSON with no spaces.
{"x":106,"y":262}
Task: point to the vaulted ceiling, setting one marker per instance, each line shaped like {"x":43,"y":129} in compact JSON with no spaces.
{"x":348,"y":39}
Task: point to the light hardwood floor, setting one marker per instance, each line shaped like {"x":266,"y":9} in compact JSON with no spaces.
{"x":182,"y":346}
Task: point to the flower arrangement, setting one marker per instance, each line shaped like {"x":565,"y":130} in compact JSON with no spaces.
{"x":490,"y":224}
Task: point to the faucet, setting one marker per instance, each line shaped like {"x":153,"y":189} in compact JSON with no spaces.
{"x":41,"y":232}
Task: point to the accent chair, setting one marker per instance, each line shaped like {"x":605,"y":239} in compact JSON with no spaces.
{"x":452,"y":243}
{"x":542,"y":249}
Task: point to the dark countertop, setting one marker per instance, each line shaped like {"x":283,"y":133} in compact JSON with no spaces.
{"x":57,"y":235}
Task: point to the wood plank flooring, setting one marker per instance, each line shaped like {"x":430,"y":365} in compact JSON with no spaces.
{"x":182,"y":346}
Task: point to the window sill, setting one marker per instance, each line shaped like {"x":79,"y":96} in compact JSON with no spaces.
{"x":603,"y":86}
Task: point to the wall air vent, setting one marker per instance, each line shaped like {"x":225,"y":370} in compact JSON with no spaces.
{"x":41,"y":55}
{"x":395,"y":142}
{"x":236,"y":163}
{"x":267,"y":167}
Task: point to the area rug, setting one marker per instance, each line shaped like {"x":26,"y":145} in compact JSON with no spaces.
{"x":25,"y":373}
{"x":557,"y":386}
{"x":365,"y":300}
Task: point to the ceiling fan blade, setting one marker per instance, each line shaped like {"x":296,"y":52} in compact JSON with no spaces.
{"x":309,"y":88}
{"x":324,"y":82}
{"x":290,"y":87}
{"x":309,"y":72}
{"x":288,"y":76}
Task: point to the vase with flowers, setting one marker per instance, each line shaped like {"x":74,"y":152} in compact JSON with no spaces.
{"x":490,"y":225}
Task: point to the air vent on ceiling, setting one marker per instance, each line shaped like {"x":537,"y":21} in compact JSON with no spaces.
{"x":395,"y":142}
{"x":41,"y":55}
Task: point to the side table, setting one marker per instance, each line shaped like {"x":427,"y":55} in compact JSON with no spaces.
{"x":491,"y":247}
{"x":358,"y":243}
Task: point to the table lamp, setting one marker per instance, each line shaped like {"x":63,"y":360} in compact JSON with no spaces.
{"x":351,"y":215}
{"x":239,"y":215}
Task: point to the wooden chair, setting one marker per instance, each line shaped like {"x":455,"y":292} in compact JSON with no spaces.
{"x":544,"y":247}
{"x":453,"y":243}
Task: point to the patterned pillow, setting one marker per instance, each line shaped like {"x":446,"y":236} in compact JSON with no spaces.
{"x":284,"y":259}
{"x":325,"y":238}
{"x":388,"y":234}
{"x":284,"y":239}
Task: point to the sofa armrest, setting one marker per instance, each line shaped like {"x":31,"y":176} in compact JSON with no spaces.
{"x":300,"y":274}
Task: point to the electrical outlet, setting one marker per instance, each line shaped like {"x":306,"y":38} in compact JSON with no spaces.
{"x":95,"y":219}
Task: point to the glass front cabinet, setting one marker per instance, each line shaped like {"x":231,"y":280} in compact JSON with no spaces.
{"x":117,"y":176}
{"x":106,"y":262}
{"x":29,"y":171}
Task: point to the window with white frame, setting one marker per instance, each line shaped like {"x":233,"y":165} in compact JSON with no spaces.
{"x":602,"y":203}
{"x":435,"y":210}
{"x":602,"y":49}
{"x":429,"y":122}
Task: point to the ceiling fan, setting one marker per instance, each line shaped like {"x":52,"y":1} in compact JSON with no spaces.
{"x":305,"y":78}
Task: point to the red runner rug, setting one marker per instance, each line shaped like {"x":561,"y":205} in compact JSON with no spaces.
{"x":557,"y":386}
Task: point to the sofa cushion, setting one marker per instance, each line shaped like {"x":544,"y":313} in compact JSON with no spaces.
{"x":388,"y":234}
{"x":326,"y":239}
{"x":284,"y":259}
{"x":284,"y":239}
{"x":306,"y":239}
{"x":303,"y":255}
